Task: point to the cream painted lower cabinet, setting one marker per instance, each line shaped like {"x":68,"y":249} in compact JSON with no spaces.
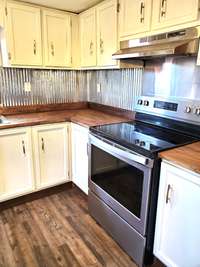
{"x":51,"y":153}
{"x":80,"y":157}
{"x":16,"y":163}
{"x":177,"y":235}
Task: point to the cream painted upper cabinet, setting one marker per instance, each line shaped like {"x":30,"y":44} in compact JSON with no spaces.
{"x":1,"y":13}
{"x":24,"y":34}
{"x":135,"y":17}
{"x":16,"y":166}
{"x":168,"y":13}
{"x":57,"y":38}
{"x":51,"y":148}
{"x":106,"y":33}
{"x":88,"y":38}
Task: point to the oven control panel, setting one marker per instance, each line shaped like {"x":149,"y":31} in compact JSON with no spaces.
{"x":186,"y":110}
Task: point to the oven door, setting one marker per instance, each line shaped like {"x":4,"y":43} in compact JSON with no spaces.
{"x":120,"y":178}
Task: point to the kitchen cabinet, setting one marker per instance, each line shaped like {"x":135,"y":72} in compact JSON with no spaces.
{"x":98,"y":41}
{"x":16,"y":163}
{"x":80,"y":157}
{"x":134,"y":17}
{"x":177,"y":235}
{"x":168,"y":13}
{"x":51,"y":150}
{"x":57,"y":38}
{"x":88,"y":38}
{"x":23,"y":27}
{"x":107,"y":37}
{"x":1,"y":14}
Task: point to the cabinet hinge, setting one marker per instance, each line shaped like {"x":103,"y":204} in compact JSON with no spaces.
{"x":6,"y":11}
{"x":118,"y":7}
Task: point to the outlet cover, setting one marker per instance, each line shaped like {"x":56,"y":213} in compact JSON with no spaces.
{"x":98,"y":88}
{"x":27,"y":87}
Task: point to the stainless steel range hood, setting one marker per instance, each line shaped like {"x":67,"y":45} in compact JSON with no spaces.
{"x":184,"y":42}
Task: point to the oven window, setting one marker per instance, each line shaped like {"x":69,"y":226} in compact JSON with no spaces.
{"x":117,"y":178}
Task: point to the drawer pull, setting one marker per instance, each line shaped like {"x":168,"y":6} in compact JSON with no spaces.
{"x":168,"y":195}
{"x":142,"y":7}
{"x":42,"y":141}
{"x":23,"y":147}
{"x":34,"y":47}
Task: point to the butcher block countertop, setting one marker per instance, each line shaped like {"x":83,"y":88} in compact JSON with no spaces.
{"x":86,"y":117}
{"x":186,"y":156}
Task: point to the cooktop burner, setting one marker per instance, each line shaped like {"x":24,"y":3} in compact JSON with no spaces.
{"x":144,"y":138}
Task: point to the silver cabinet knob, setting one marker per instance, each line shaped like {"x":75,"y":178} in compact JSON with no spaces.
{"x":197,"y":111}
{"x":188,"y":109}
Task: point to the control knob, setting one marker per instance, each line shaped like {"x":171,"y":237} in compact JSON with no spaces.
{"x":142,"y":143}
{"x":137,"y":141}
{"x":197,"y":111}
{"x":140,"y":101}
{"x":146,"y":103}
{"x":188,"y":109}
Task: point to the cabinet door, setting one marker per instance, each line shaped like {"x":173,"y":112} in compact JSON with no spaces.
{"x":88,"y":38}
{"x":135,"y":17}
{"x":167,"y":13}
{"x":80,"y":157}
{"x":106,"y":36}
{"x":177,"y":235}
{"x":51,"y":154}
{"x":16,"y":168}
{"x":57,"y":38}
{"x":24,"y":34}
{"x":2,"y":8}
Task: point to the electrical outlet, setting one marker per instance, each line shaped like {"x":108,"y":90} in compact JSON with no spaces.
{"x":98,"y":88}
{"x":27,"y":87}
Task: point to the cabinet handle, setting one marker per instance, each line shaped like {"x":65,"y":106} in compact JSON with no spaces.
{"x":9,"y":56}
{"x":163,"y":8}
{"x":91,"y":48}
{"x":52,"y":49}
{"x":169,"y":188}
{"x":23,"y":147}
{"x":101,"y":45}
{"x":42,"y":141}
{"x":34,"y":47}
{"x":142,"y":7}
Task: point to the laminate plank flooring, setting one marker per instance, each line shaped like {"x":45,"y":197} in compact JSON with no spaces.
{"x":56,"y":231}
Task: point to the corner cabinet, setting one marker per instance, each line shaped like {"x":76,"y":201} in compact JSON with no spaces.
{"x":99,"y":35}
{"x":51,"y":151}
{"x":57,"y":38}
{"x":88,"y":38}
{"x":23,"y":30}
{"x":80,"y":157}
{"x":134,"y":17}
{"x":177,"y":235}
{"x":169,"y":13}
{"x":16,"y":163}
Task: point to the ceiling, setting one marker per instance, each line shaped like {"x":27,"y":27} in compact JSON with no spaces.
{"x":69,"y":5}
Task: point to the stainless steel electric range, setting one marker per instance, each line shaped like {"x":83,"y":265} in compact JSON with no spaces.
{"x":124,"y":169}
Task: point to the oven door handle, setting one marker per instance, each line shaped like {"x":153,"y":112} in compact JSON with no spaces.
{"x":120,"y":151}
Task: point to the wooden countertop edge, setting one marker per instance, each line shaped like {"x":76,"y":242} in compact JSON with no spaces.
{"x":187,"y":156}
{"x":84,"y":117}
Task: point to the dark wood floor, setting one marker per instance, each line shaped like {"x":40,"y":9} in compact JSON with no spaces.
{"x":56,"y":230}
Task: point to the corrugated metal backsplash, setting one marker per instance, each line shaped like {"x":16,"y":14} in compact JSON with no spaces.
{"x":118,"y":87}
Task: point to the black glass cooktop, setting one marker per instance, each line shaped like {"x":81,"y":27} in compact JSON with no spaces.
{"x":144,"y":138}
